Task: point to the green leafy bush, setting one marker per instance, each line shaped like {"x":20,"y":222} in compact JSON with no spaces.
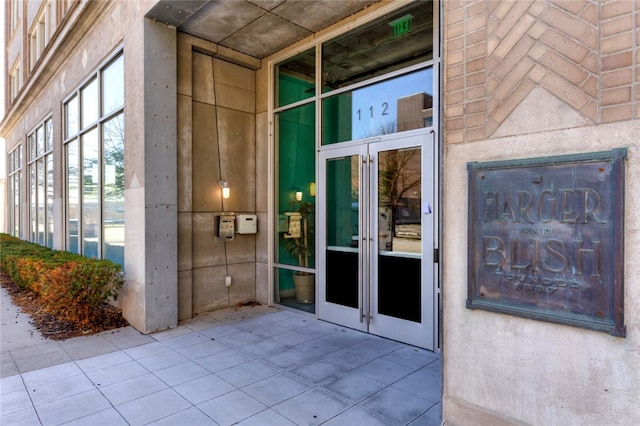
{"x":71,"y":286}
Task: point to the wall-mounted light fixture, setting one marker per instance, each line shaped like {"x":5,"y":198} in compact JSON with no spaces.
{"x":312,"y":189}
{"x":225,"y":189}
{"x":298,"y":195}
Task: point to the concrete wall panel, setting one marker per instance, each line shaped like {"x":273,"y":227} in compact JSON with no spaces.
{"x":185,"y":166}
{"x":185,"y":240}
{"x":262,"y":89}
{"x":209,"y":290}
{"x":262,"y":240}
{"x":242,"y":249}
{"x":203,"y":77}
{"x":205,"y":161}
{"x":243,"y":286}
{"x":236,"y":133}
{"x":262,"y":163}
{"x":185,"y":296}
{"x":235,"y":86}
{"x":262,"y":283}
{"x":207,"y":251}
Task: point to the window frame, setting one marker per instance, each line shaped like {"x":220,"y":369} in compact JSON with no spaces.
{"x":15,"y":78}
{"x":16,"y":14}
{"x":40,"y":164}
{"x":14,"y":178}
{"x":275,"y":109}
{"x":73,"y":106}
{"x":39,"y":34}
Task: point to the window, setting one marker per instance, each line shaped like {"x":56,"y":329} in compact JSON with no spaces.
{"x":15,"y":183}
{"x":372,"y":80}
{"x":39,"y":34}
{"x":16,"y":12}
{"x":94,"y":164}
{"x":65,"y":5}
{"x":15,"y":77}
{"x":40,"y":144}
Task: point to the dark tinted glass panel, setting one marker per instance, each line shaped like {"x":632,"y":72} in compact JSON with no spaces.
{"x":398,"y":40}
{"x":296,"y":174}
{"x":399,"y":292}
{"x":342,"y":278}
{"x":295,"y":78}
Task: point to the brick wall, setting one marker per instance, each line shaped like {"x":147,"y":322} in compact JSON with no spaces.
{"x":496,"y":52}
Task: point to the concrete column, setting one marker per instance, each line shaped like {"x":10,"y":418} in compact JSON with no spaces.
{"x":150,"y":298}
{"x":160,"y":163}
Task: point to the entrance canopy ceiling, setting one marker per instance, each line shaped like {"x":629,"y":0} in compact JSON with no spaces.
{"x":255,"y":27}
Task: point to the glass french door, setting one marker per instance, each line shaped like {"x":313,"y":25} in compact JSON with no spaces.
{"x":376,"y":237}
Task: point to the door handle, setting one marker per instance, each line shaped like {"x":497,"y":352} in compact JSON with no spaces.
{"x":362,"y":237}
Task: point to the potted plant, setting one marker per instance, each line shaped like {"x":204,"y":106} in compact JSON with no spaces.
{"x":299,"y":244}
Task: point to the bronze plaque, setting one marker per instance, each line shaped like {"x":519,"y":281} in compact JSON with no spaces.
{"x":546,"y":239}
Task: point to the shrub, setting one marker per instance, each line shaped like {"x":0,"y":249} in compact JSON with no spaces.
{"x":71,"y":286}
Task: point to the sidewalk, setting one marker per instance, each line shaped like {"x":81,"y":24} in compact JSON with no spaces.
{"x":248,"y":366}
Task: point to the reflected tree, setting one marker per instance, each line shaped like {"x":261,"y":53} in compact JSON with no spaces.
{"x":398,"y":177}
{"x":114,"y":156}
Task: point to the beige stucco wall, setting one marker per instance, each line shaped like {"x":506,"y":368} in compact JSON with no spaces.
{"x":535,"y":79}
{"x":525,"y":370}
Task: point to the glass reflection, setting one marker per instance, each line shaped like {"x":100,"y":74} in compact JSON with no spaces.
{"x":396,"y":105}
{"x":71,"y":111}
{"x":49,"y":135}
{"x":90,"y":195}
{"x":396,"y":41}
{"x":73,"y":197}
{"x":295,"y":78}
{"x":113,"y":205}
{"x":89,"y":99}
{"x":399,"y":195}
{"x":49,"y":215}
{"x":34,"y":206}
{"x":41,"y":201}
{"x":113,"y":86}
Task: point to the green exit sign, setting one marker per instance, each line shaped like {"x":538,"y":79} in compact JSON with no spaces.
{"x":402,"y":25}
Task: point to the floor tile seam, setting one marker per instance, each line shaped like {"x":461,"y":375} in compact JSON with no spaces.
{"x":407,"y":392}
{"x":193,"y":406}
{"x":4,"y":415}
{"x":99,"y":387}
{"x":4,"y":392}
{"x":25,"y":389}
{"x":234,"y":388}
{"x":58,"y":398}
{"x":76,"y":362}
{"x":74,"y":359}
{"x":70,"y":397}
{"x":372,"y":413}
{"x":350,"y":404}
{"x":262,"y":357}
{"x":115,"y":406}
{"x":154,"y":373}
{"x":19,"y":373}
{"x":147,"y":355}
{"x":380,"y":415}
{"x":97,"y":412}
{"x":267,"y":407}
{"x":360,"y":404}
{"x":185,"y":349}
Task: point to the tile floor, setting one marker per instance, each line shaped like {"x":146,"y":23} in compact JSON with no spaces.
{"x":248,"y":366}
